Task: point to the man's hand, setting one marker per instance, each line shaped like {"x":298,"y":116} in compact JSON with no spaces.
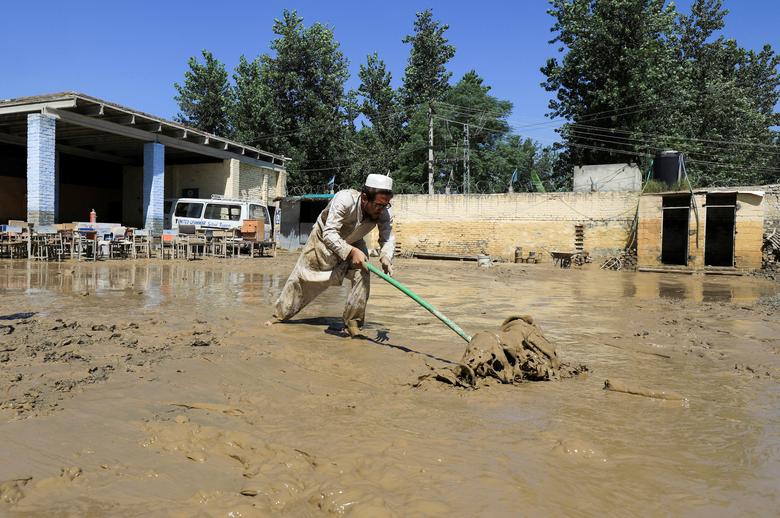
{"x":387,"y":265}
{"x":357,"y":258}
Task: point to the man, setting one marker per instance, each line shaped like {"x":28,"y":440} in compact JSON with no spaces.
{"x":336,"y":249}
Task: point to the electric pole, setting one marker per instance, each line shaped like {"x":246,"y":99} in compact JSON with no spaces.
{"x":430,"y":148}
{"x":466,"y":160}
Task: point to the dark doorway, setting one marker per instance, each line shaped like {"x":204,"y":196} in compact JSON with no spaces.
{"x":719,"y":237}
{"x":310,"y":211}
{"x":674,"y":237}
{"x":87,"y":184}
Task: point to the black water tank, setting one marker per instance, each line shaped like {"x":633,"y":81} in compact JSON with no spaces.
{"x":666,"y":167}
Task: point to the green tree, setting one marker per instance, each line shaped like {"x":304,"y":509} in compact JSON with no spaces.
{"x":205,"y":96}
{"x":469,"y":102}
{"x":732,"y":94}
{"x":304,"y":79}
{"x":636,"y":77}
{"x":378,"y":143}
{"x":250,"y":113}
{"x":426,"y":77}
{"x":618,"y":71}
{"x":494,"y":152}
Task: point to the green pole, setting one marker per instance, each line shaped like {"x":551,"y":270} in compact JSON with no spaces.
{"x":412,"y":295}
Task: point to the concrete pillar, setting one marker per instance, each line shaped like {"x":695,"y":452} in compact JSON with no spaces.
{"x":264,"y":189}
{"x":232,"y":189}
{"x":41,"y":158}
{"x":153,"y":197}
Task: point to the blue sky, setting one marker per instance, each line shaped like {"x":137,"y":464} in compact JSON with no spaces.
{"x":132,"y":52}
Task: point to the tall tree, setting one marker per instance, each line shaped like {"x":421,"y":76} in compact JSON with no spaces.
{"x":469,"y":102}
{"x":732,"y":95}
{"x":618,"y":71}
{"x":426,"y":77}
{"x":379,"y":103}
{"x":636,"y":77}
{"x":250,"y":113}
{"x":204,"y":97}
{"x":305,"y":79}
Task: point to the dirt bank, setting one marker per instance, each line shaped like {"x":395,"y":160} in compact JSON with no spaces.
{"x":153,"y":387}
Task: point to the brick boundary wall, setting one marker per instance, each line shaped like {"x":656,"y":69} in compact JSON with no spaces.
{"x":497,"y":223}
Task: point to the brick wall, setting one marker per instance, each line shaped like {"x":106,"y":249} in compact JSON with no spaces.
{"x":497,"y":223}
{"x":772,"y":209}
{"x":209,"y":178}
{"x":749,"y":234}
{"x":40,"y":168}
{"x":257,"y":182}
{"x":650,"y":223}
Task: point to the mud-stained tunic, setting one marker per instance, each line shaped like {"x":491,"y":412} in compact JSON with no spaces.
{"x":323,"y":261}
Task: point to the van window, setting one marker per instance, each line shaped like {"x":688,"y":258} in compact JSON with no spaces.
{"x":223,"y":212}
{"x":188,"y":209}
{"x":257,"y":212}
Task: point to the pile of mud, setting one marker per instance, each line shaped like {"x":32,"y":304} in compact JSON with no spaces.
{"x":518,"y":352}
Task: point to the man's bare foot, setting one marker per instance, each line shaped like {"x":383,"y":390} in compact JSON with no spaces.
{"x":352,"y":328}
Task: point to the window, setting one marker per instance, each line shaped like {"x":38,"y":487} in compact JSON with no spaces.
{"x":257,"y":212}
{"x":188,"y":210}
{"x":223,"y":212}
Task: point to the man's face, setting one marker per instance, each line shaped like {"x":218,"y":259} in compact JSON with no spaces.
{"x":373,"y":209}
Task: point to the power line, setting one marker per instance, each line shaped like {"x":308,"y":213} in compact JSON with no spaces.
{"x":732,"y":167}
{"x":774,"y":147}
{"x":639,"y":142}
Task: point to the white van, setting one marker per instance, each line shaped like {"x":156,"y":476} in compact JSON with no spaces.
{"x":217,"y":213}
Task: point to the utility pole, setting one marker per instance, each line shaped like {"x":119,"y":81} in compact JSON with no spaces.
{"x":466,"y":160}
{"x":430,"y":148}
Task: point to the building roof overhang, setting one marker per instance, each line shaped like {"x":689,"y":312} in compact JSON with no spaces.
{"x":102,"y":130}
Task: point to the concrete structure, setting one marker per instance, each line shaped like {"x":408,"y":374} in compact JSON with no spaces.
{"x":607,"y":178}
{"x":298,"y":215}
{"x":41,"y":158}
{"x":712,"y":228}
{"x":497,"y":223}
{"x":62,"y":155}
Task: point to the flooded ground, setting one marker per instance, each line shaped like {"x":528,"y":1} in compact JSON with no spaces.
{"x":151,"y":387}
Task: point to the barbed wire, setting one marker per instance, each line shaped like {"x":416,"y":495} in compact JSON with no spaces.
{"x":440,"y":187}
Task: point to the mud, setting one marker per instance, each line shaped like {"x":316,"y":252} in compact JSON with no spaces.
{"x":152,"y":388}
{"x":517,"y":352}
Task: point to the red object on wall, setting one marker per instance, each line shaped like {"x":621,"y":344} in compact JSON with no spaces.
{"x":92,"y":216}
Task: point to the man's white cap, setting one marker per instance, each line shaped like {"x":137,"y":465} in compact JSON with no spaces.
{"x":379,"y":181}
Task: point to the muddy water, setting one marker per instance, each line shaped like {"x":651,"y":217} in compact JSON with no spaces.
{"x":196,"y":407}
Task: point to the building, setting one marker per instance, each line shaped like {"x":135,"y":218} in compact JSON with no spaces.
{"x":707,"y":229}
{"x":62,"y":155}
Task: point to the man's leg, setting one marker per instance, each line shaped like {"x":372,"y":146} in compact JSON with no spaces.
{"x":355,"y":311}
{"x":296,"y":294}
